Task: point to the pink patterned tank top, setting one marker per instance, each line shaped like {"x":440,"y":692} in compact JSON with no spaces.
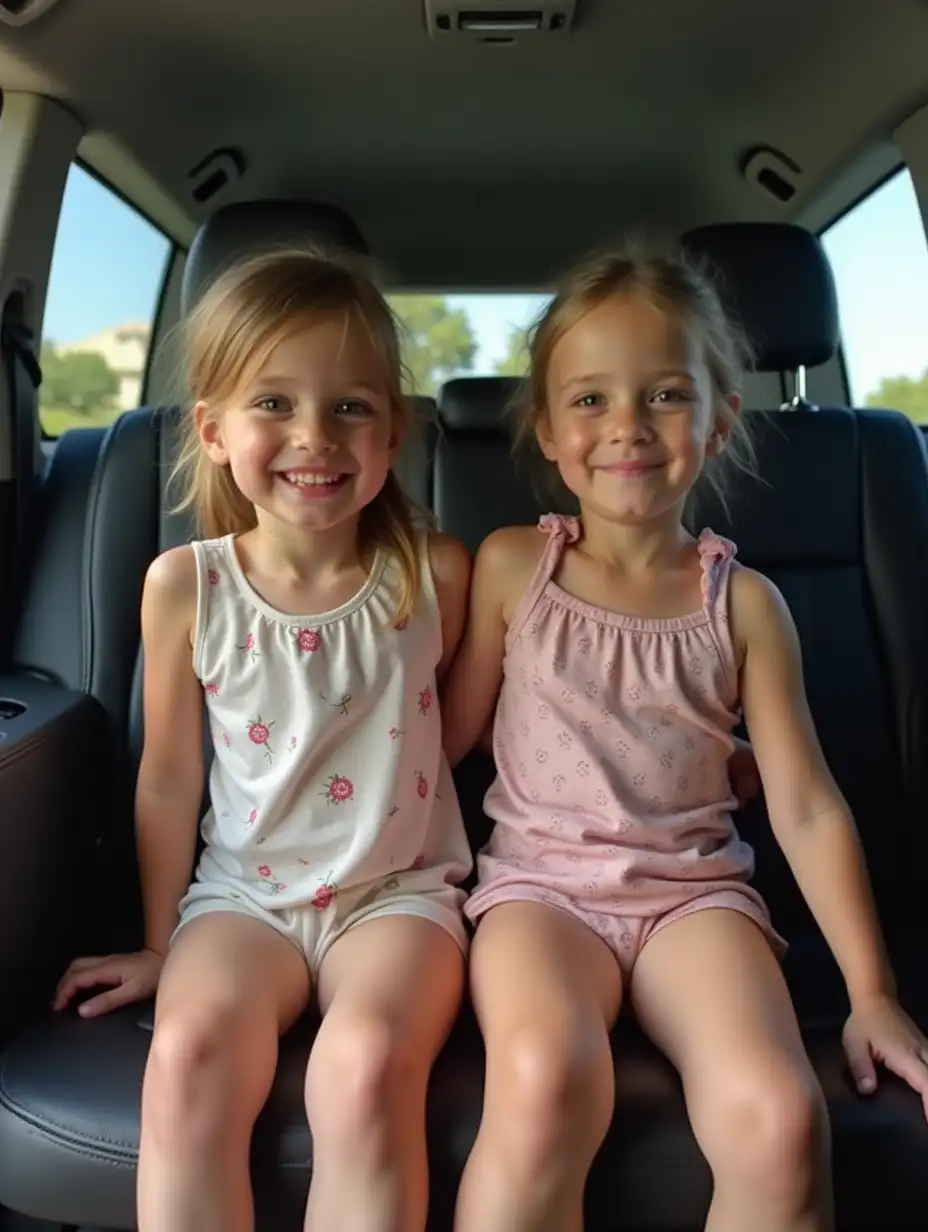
{"x":612,"y":739}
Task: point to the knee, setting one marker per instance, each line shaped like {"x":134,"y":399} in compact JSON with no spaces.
{"x":190,"y":1065}
{"x":553,"y":1088}
{"x":361,"y":1071}
{"x":772,"y":1130}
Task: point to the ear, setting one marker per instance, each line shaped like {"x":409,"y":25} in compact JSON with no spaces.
{"x":545,"y":436}
{"x":722,"y":425}
{"x":209,"y":430}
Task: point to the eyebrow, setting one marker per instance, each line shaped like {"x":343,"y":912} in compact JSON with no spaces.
{"x":270,"y":381}
{"x":593,"y":378}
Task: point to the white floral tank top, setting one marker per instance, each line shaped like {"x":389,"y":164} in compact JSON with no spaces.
{"x":328,"y":771}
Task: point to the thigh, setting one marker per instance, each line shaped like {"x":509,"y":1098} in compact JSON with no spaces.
{"x":711,"y":994}
{"x":536,"y":970}
{"x":229,"y":965}
{"x":399,"y":977}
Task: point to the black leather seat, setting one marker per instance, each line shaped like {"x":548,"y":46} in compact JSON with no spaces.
{"x":840,"y":523}
{"x":840,"y":527}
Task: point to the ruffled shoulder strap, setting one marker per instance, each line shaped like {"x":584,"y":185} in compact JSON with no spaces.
{"x":561,"y":531}
{"x":716,"y":554}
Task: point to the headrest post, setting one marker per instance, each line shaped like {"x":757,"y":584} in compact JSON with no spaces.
{"x":799,"y":401}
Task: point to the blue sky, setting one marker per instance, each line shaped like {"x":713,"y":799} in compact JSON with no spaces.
{"x":108,"y":262}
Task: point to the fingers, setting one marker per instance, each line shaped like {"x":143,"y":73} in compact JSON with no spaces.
{"x":860,"y":1062}
{"x":84,"y":974}
{"x":909,"y":1065}
{"x":112,"y":999}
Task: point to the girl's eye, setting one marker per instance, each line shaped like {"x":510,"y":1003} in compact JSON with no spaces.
{"x":351,"y":406}
{"x":672,"y":396}
{"x":588,"y":402}
{"x":271,"y":402}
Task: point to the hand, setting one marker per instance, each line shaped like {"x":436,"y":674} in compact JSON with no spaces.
{"x":879,"y":1030}
{"x":743,"y":772}
{"x":128,"y":978}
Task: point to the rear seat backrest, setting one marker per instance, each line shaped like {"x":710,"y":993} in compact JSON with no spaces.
{"x":840,"y":523}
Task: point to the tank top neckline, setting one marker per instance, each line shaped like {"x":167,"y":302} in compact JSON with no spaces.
{"x":563,"y":530}
{"x":357,"y":600}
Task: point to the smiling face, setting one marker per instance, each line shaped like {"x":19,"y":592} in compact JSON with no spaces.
{"x":631,"y":413}
{"x":311,"y":436}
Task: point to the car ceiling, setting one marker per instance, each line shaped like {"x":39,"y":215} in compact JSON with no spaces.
{"x":472,"y":166}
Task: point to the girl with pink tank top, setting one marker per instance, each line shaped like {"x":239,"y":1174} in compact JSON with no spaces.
{"x":620,"y":654}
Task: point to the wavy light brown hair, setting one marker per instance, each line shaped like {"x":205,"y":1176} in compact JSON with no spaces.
{"x":228,"y":337}
{"x":676,"y":286}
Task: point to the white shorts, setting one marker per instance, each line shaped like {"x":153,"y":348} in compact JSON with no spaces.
{"x":313,"y":931}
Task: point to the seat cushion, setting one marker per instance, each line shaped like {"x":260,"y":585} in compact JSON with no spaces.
{"x":69,"y":1112}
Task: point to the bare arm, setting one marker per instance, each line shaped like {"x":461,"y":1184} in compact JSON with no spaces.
{"x":451,"y":567}
{"x":170,"y":782}
{"x":473,"y":681}
{"x":808,"y":814}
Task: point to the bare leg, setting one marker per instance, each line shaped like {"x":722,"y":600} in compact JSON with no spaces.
{"x":230,"y":986}
{"x":547,"y":992}
{"x":710,"y":993}
{"x":389,"y":991}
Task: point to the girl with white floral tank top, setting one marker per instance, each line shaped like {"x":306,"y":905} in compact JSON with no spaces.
{"x":315,"y":620}
{"x":620,"y":653}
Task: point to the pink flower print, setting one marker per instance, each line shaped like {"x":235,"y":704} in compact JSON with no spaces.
{"x":259,"y":732}
{"x":639,"y":780}
{"x":591,"y":689}
{"x":560,"y":664}
{"x":211,"y":689}
{"x":610,"y":667}
{"x":696,"y":666}
{"x":325,"y":895}
{"x":567,"y":695}
{"x":584,"y":645}
{"x":591,"y":887}
{"x":522,"y":769}
{"x":227,"y":740}
{"x":265,"y":871}
{"x":535,"y":796}
{"x":308,"y":640}
{"x":537,"y":678}
{"x":252,"y":817}
{"x":541,"y":756}
{"x":422,"y":785}
{"x":565,"y":739}
{"x":557,"y":822}
{"x":633,"y":693}
{"x":667,"y":760}
{"x":396,"y":732}
{"x":689,"y":744}
{"x":583,"y":769}
{"x":544,"y":712}
{"x":213,"y":576}
{"x":425,"y":700}
{"x":291,"y":744}
{"x":338,"y":789}
{"x":573,"y":856}
{"x":249,"y":647}
{"x":602,"y":799}
{"x":626,"y":941}
{"x":622,"y":748}
{"x":524,"y":729}
{"x":271,"y":883}
{"x":586,"y":727}
{"x":655,"y":804}
{"x":682,"y":783}
{"x":559,"y":782}
{"x":654,"y":733}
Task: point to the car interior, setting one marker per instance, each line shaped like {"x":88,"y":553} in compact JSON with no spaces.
{"x":470,"y":149}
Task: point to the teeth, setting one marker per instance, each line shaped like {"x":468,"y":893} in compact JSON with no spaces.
{"x":311,"y":481}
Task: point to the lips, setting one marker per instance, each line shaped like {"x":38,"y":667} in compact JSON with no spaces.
{"x":630,"y":469}
{"x":312,"y":479}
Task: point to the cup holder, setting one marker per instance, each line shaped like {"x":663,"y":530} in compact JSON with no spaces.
{"x":10,"y":709}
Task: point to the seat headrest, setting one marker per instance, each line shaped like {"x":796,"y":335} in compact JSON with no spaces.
{"x":476,"y":403}
{"x":777,"y":282}
{"x":247,"y":227}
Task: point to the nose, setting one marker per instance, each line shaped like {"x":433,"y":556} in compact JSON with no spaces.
{"x":315,"y":432}
{"x":627,"y":422}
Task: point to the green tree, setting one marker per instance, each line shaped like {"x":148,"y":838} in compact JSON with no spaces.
{"x":438,"y":341}
{"x":78,"y":381}
{"x":515,"y":360}
{"x":902,"y":393}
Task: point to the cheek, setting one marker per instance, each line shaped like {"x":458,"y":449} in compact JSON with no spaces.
{"x":573,"y":439}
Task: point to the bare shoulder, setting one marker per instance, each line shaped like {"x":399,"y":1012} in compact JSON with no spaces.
{"x":759,"y":613}
{"x":170,"y":592}
{"x":450,"y":560}
{"x":506,"y":562}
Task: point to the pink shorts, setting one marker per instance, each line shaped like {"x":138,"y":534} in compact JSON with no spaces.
{"x":627,"y":935}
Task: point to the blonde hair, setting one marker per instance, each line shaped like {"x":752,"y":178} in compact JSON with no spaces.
{"x":677,"y":287}
{"x":227,"y":338}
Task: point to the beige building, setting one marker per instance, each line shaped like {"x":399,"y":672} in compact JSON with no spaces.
{"x":125,"y":349}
